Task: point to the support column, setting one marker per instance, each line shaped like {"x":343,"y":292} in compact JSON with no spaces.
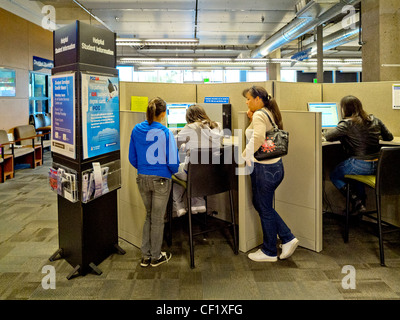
{"x":320,"y":55}
{"x":380,"y":21}
{"x":274,"y":69}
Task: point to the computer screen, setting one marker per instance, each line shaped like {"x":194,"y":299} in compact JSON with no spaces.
{"x":331,"y":114}
{"x":176,"y":114}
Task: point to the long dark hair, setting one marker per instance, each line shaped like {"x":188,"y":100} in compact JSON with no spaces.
{"x":155,"y":107}
{"x":352,"y":109}
{"x":269,"y":102}
{"x":196,"y":113}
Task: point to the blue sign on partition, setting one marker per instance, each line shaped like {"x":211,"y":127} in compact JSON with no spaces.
{"x":216,"y":100}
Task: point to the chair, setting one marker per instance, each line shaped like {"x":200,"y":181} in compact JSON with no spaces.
{"x":211,"y":171}
{"x":6,"y":157}
{"x":385,"y":182}
{"x":27,"y":135}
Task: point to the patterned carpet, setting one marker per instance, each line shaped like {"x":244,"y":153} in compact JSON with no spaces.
{"x":29,"y":236}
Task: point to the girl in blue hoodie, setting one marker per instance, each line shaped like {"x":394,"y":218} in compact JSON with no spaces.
{"x":153,"y":152}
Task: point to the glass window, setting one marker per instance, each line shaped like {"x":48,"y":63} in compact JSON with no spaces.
{"x":7,"y":82}
{"x":255,"y":76}
{"x":39,"y":93}
{"x":289,"y":75}
{"x":125,"y":73}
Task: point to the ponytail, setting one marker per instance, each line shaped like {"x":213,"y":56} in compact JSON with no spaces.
{"x":155,"y":107}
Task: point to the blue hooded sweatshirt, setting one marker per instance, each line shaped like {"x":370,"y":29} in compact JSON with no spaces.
{"x":153,"y":150}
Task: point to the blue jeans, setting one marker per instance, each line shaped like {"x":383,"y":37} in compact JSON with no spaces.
{"x":265,"y":178}
{"x":352,"y":166}
{"x":155,"y":194}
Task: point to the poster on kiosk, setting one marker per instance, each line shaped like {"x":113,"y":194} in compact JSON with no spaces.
{"x":100,"y":115}
{"x":63,"y":115}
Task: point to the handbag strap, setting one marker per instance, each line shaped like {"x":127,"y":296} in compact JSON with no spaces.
{"x":273,"y":123}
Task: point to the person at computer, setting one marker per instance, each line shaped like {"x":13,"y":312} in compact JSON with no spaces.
{"x":154,"y":153}
{"x":359,"y":134}
{"x":266,"y":176}
{"x":199,"y":132}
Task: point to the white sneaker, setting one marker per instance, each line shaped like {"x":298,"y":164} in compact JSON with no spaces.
{"x":198,"y":209}
{"x":260,"y":256}
{"x":288,"y":248}
{"x":180,"y":212}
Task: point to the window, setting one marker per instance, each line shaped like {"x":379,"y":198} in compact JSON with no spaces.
{"x":39,"y":93}
{"x":7,"y":82}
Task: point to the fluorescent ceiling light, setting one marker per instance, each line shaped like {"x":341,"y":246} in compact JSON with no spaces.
{"x":156,"y":42}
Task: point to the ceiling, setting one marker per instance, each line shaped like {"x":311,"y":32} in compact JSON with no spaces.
{"x":224,"y":30}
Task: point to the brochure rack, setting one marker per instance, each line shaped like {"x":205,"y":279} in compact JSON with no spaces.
{"x":85,"y":142}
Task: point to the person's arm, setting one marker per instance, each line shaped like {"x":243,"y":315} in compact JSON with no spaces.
{"x":172,"y":153}
{"x":385,"y":133}
{"x":257,"y":138}
{"x":337,"y":133}
{"x":132,"y":152}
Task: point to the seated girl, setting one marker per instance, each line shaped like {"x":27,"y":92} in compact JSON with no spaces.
{"x":199,"y":132}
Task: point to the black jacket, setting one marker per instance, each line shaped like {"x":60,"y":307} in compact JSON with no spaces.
{"x":360,"y":141}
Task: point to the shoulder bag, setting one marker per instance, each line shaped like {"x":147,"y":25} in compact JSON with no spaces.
{"x":275,"y":145}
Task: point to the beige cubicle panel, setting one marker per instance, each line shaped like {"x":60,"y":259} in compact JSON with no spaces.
{"x":170,"y":92}
{"x":131,"y":210}
{"x":233,"y":91}
{"x":298,"y":199}
{"x":376,"y":98}
{"x":296,"y":95}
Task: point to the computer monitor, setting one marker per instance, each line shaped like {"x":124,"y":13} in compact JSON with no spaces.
{"x":176,"y":114}
{"x":331,"y":114}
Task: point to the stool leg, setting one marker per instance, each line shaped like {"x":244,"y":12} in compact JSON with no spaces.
{"x":235,"y":245}
{"x":190,"y":233}
{"x":379,"y":218}
{"x":346,"y":227}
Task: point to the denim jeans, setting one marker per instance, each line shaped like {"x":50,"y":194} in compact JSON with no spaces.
{"x":155,"y":192}
{"x":352,"y":166}
{"x":265,"y":178}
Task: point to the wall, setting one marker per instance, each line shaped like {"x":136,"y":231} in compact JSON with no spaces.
{"x":20,"y":41}
{"x":170,"y":92}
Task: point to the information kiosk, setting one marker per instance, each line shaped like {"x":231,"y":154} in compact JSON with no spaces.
{"x":85,"y":144}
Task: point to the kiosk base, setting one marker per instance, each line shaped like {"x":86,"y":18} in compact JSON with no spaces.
{"x":88,"y":233}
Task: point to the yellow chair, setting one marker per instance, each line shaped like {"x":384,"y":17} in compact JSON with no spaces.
{"x":385,"y":182}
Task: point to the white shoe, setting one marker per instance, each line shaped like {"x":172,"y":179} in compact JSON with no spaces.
{"x":288,"y":248}
{"x":180,"y":212}
{"x":260,"y":256}
{"x":198,"y":209}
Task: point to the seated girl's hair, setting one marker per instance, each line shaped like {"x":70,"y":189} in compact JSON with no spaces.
{"x":155,"y":107}
{"x":352,"y":108}
{"x":196,"y":113}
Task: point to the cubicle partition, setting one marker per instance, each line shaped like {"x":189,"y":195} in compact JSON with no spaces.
{"x":376,"y":98}
{"x":170,"y":92}
{"x":295,"y":96}
{"x":131,"y":210}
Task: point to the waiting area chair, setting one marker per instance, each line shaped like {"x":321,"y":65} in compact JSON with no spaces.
{"x":10,"y":152}
{"x":386,"y":182}
{"x":210,"y":171}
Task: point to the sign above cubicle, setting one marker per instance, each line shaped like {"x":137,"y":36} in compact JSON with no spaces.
{"x":216,"y":100}
{"x":80,"y":42}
